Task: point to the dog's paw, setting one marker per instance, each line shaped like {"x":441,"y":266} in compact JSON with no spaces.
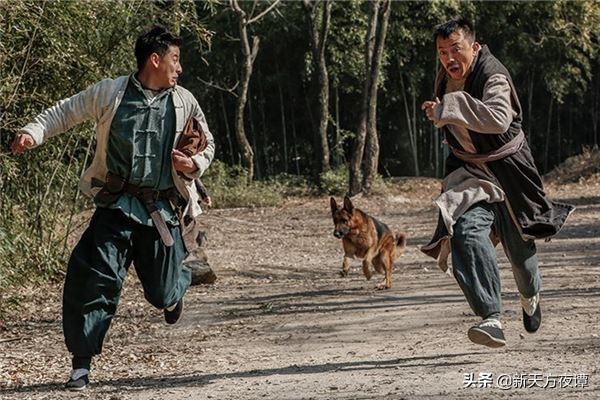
{"x":382,"y":286}
{"x":343,"y":273}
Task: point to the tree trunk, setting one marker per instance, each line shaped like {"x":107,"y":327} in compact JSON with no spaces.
{"x":294,"y":142}
{"x":255,"y":149}
{"x":547,"y":144}
{"x":354,"y":184}
{"x":372,"y":140}
{"x":338,"y":149}
{"x":308,"y":103}
{"x":558,"y":134}
{"x":227,"y":130}
{"x":240,"y":132}
{"x":411,"y":127}
{"x":573,"y":143}
{"x":244,"y":20}
{"x":324,"y":88}
{"x":263,"y":128}
{"x":318,"y":44}
{"x":283,"y":124}
{"x":595,"y":110}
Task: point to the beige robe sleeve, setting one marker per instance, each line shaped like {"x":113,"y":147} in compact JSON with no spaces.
{"x":492,"y":115}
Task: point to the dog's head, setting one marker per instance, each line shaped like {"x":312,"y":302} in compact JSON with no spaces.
{"x":342,"y":217}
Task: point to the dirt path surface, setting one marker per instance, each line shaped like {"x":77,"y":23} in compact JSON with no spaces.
{"x":280,"y":323}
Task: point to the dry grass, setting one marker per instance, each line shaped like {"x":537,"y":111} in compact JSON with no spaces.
{"x":579,"y":168}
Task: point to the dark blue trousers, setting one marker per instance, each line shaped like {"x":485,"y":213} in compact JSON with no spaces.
{"x":474,"y":257}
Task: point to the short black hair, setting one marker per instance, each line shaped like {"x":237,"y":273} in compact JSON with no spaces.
{"x":156,"y":39}
{"x":456,"y":24}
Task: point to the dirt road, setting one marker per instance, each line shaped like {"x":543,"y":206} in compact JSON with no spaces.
{"x":280,"y":323}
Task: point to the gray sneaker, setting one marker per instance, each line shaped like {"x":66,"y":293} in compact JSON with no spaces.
{"x":487,"y":333}
{"x":78,"y":384}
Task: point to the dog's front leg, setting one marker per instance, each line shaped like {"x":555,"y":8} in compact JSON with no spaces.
{"x":367,"y":268}
{"x":345,"y":267}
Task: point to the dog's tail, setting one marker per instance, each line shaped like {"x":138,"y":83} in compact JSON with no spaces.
{"x":401,"y":238}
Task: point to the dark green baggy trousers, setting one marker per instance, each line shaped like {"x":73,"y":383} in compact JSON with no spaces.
{"x":97,"y":269}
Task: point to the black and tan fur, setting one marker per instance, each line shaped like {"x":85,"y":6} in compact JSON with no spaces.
{"x":368,"y":239}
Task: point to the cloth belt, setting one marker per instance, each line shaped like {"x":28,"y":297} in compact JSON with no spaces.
{"x":509,"y":148}
{"x":115,"y":186}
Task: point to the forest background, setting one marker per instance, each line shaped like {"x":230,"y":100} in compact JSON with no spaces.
{"x":303,"y":97}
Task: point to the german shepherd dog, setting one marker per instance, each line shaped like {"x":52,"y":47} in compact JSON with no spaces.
{"x":366,"y":238}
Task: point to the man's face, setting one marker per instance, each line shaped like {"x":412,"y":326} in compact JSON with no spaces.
{"x":168,"y":67}
{"x":456,"y":53}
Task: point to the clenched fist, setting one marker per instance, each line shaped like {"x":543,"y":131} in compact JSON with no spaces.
{"x":183,"y":163}
{"x":22,"y":142}
{"x":429,"y":108}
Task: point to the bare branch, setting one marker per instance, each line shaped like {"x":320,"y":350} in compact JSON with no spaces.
{"x":236,"y":7}
{"x":262,"y":14}
{"x":254,"y":4}
{"x":214,"y":85}
{"x":11,"y":339}
{"x":255,"y":44}
{"x":325,"y":26}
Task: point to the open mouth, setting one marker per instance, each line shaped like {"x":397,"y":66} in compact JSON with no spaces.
{"x":453,"y":69}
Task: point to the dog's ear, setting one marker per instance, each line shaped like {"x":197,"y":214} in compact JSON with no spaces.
{"x":334,"y":205}
{"x":348,"y":206}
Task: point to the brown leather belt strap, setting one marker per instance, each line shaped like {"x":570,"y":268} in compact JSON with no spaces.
{"x":115,"y":185}
{"x":149,"y":197}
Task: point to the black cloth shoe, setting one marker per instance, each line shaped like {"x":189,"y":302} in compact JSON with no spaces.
{"x":173,"y":316}
{"x":487,"y":333}
{"x":78,"y":384}
{"x":532,"y":323}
